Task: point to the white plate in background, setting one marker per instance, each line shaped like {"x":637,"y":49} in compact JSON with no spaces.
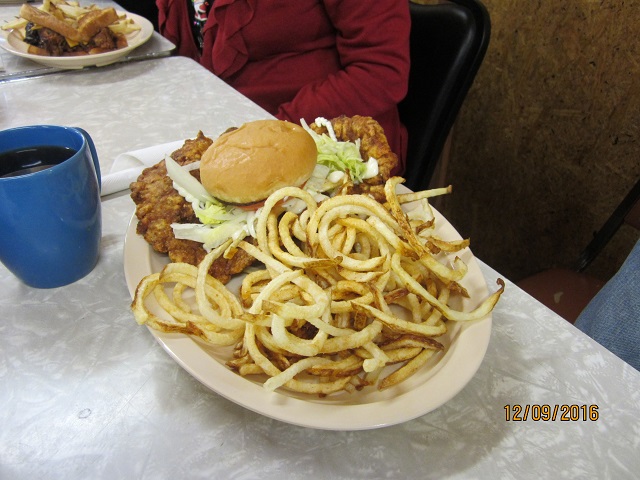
{"x":12,"y":42}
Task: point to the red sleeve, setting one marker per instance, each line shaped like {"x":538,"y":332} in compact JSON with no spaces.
{"x":373,"y":45}
{"x":173,"y":24}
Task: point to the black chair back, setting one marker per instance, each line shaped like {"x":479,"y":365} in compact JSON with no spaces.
{"x":628,"y":211}
{"x":448,"y":44}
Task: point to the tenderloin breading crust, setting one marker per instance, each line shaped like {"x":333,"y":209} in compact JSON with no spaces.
{"x":158,"y":204}
{"x":373,"y":143}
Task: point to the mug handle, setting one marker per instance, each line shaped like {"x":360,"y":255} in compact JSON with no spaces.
{"x":94,"y":154}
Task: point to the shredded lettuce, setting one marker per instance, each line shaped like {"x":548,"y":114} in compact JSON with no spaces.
{"x":207,"y":208}
{"x":211,"y":236}
{"x":214,"y":213}
{"x":186,"y":184}
{"x":218,"y":222}
{"x":341,"y":156}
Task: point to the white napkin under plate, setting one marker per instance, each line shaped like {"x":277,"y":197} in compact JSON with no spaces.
{"x":127,"y":166}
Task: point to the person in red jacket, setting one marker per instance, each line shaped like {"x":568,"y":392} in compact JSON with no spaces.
{"x":303,"y":58}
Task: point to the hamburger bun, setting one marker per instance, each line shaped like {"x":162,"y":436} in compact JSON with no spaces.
{"x":246,"y":165}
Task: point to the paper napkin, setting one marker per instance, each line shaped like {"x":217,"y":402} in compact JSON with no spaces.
{"x":127,"y":166}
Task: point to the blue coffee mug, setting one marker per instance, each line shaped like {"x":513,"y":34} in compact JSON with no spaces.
{"x":50,"y":217}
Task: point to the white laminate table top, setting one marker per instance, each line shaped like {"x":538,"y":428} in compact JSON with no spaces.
{"x":87,"y":393}
{"x":129,"y":106}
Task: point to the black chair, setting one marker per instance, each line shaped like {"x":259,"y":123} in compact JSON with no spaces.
{"x":448,"y":44}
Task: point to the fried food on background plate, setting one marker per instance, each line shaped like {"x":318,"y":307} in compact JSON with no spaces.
{"x":60,"y":29}
{"x":158,"y":204}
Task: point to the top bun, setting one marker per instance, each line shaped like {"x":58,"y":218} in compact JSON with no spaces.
{"x":248,"y":164}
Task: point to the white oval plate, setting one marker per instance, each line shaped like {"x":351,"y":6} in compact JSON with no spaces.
{"x":429,"y":388}
{"x":12,"y":42}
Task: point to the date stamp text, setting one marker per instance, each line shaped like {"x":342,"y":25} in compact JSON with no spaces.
{"x":551,"y":413}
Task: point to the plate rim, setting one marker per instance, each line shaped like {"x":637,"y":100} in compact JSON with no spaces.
{"x":312,"y":413}
{"x":81,"y":61}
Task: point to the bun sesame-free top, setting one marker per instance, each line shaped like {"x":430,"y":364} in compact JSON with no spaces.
{"x":247,"y":164}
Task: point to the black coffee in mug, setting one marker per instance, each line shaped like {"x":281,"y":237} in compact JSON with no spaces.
{"x":22,"y":161}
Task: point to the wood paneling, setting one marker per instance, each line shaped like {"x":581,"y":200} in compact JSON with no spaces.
{"x":547,"y":142}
